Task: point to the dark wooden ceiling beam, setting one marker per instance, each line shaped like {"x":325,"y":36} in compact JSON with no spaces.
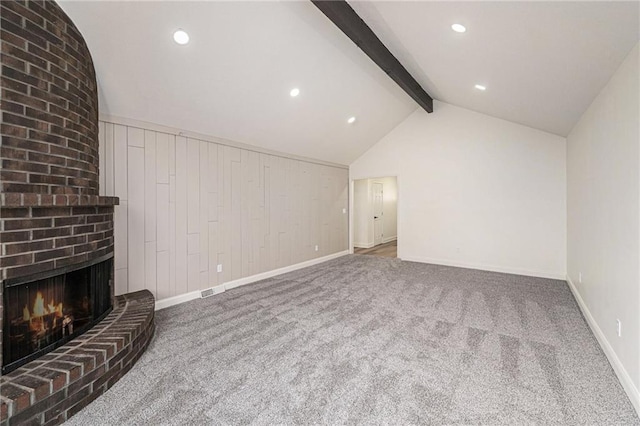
{"x":345,"y":18}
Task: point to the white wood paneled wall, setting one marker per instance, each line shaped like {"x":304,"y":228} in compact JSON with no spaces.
{"x":189,"y":205}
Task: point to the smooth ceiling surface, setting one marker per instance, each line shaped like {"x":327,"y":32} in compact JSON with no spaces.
{"x":234,"y":77}
{"x":543,"y":63}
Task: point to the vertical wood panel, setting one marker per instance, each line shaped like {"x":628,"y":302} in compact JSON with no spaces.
{"x":172,"y":155}
{"x":135,"y":228}
{"x":278,"y":210}
{"x":326,"y":213}
{"x":193,"y":186}
{"x":121,"y":249}
{"x":135,"y":137}
{"x":220,"y":215}
{"x":150,"y":266}
{"x":172,"y":249}
{"x":236,"y":218}
{"x":121,"y":159}
{"x":193,"y":272}
{"x":163,"y":287}
{"x":213,"y":253}
{"x":121,"y":282}
{"x":255,"y":214}
{"x":172,"y":189}
{"x":296,"y":201}
{"x":266,"y":223}
{"x":102,"y":155}
{"x":315,"y":209}
{"x":172,"y":291}
{"x":343,"y":186}
{"x":193,"y":244}
{"x":162,"y":214}
{"x":224,"y":162}
{"x":162,"y":158}
{"x":150,"y":185}
{"x":120,"y":237}
{"x":109,"y":171}
{"x":204,"y":280}
{"x":212,"y":196}
{"x":305,"y":210}
{"x":181,"y":215}
{"x":205,"y":181}
{"x":188,"y":205}
{"x":245,"y":213}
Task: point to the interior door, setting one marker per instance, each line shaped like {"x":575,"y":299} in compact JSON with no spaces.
{"x":376,"y":189}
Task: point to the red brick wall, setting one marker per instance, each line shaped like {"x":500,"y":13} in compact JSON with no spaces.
{"x":49,"y":103}
{"x":37,"y":238}
{"x":50,"y":212}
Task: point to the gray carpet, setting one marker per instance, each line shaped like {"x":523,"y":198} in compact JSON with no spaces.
{"x":369,"y":340}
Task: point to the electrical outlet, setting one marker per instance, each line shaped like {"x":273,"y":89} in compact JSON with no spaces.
{"x":344,"y":211}
{"x":219,"y":268}
{"x":619,"y":327}
{"x":580,"y":277}
{"x":316,"y":248}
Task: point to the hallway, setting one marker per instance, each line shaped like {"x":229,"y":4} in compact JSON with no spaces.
{"x":389,"y":249}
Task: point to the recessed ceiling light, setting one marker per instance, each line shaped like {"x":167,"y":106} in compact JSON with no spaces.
{"x":351,"y":120}
{"x":294,"y":92}
{"x":480,"y":87}
{"x":458,"y":28}
{"x":181,"y":37}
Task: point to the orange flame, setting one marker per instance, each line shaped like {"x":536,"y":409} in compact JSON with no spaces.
{"x":39,"y":310}
{"x":38,"y":306}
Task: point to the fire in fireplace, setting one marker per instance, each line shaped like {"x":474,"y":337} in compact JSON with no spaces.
{"x":44,"y":312}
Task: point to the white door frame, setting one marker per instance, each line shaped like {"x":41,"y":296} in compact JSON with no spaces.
{"x":399,"y":215}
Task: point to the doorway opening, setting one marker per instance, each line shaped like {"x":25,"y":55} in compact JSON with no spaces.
{"x":375,"y":216}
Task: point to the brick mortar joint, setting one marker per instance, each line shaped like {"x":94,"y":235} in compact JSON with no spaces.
{"x":8,"y":200}
{"x":123,"y":305}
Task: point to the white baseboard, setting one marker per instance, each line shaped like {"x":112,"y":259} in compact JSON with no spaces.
{"x":483,"y":267}
{"x":176,"y":300}
{"x":182,"y":298}
{"x":389,"y":239}
{"x":621,"y":372}
{"x":363,"y":245}
{"x":279,"y":271}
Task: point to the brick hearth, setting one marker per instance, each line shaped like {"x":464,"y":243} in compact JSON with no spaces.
{"x":61,"y":383}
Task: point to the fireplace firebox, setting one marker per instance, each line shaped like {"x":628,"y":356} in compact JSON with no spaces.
{"x":45,"y":311}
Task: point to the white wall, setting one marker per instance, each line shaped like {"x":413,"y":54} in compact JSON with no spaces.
{"x":476,"y":191}
{"x":362,"y":232}
{"x":190,"y":204}
{"x":603,"y":197}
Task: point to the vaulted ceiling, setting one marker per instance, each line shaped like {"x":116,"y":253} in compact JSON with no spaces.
{"x":542,"y":63}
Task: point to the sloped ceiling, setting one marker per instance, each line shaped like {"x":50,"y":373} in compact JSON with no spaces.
{"x":234,"y":77}
{"x":542,"y":62}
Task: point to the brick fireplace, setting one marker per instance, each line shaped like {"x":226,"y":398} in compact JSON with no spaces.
{"x":54,"y":225}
